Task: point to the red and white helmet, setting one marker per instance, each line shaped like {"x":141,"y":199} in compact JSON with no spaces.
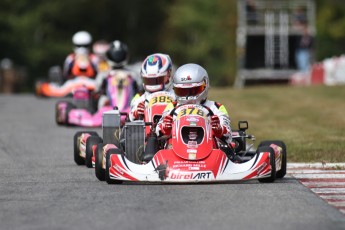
{"x":156,"y":72}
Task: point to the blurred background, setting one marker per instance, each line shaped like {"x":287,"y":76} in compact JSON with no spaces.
{"x":240,"y":42}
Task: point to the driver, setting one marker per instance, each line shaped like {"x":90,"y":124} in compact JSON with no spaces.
{"x":156,"y":76}
{"x":81,"y":62}
{"x":191,"y":84}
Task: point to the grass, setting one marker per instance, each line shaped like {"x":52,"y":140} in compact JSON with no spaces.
{"x":310,"y":120}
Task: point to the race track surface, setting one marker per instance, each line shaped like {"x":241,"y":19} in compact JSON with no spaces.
{"x":42,"y":188}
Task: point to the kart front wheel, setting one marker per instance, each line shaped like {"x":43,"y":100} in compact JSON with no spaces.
{"x":272,"y":176}
{"x":108,"y":165}
{"x":91,"y":141}
{"x":76,"y":143}
{"x":99,"y":171}
{"x":282,"y":172}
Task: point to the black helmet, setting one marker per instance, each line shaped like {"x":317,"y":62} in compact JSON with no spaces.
{"x":117,"y":54}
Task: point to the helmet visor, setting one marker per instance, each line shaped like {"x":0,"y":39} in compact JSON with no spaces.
{"x":190,"y":91}
{"x":154,"y":80}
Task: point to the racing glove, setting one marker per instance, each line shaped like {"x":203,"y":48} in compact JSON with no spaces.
{"x":139,"y":113}
{"x":167,"y":125}
{"x":216,"y":127}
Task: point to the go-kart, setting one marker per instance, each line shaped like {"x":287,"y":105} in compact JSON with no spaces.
{"x":53,"y":89}
{"x":89,"y":147}
{"x":83,"y":110}
{"x":192,"y":154}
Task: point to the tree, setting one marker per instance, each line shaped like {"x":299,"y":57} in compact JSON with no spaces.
{"x":203,"y":32}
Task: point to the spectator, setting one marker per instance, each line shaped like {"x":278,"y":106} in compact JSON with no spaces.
{"x":303,"y":49}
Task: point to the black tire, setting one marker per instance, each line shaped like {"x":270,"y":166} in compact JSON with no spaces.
{"x":57,"y":112}
{"x":99,"y":171}
{"x":108,"y":154}
{"x":272,"y":177}
{"x":77,"y":158}
{"x":282,"y":172}
{"x":91,"y":141}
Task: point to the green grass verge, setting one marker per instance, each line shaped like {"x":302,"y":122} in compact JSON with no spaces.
{"x":310,"y":120}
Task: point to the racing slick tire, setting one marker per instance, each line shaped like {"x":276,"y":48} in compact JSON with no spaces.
{"x":77,"y":158}
{"x":91,"y":141}
{"x":282,"y":172}
{"x":108,"y":155}
{"x":57,"y":113}
{"x":272,"y":176}
{"x":99,"y":171}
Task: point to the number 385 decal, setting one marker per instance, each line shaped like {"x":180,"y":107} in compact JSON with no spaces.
{"x":160,"y":99}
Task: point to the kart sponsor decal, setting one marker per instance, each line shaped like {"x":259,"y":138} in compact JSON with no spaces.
{"x":191,"y":175}
{"x":192,"y":119}
{"x":162,"y":171}
{"x":188,"y":164}
{"x":192,"y":124}
{"x":192,"y":156}
{"x":188,"y":78}
{"x":192,"y":144}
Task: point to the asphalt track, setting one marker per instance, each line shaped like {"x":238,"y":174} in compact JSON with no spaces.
{"x":42,"y":188}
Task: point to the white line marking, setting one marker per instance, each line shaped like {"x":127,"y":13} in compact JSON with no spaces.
{"x":315,"y":171}
{"x":315,"y":165}
{"x":336,"y":197}
{"x":328,"y":190}
{"x":318,"y":176}
{"x":323,"y":184}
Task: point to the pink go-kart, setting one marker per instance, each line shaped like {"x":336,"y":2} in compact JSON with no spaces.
{"x":82,"y":111}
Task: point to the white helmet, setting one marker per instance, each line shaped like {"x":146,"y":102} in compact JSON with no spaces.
{"x":156,"y":72}
{"x":191,"y":84}
{"x":82,"y":39}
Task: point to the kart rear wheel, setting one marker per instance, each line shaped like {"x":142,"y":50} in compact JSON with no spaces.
{"x":282,"y":172}
{"x":91,"y":141}
{"x":272,"y":176}
{"x":76,"y":142}
{"x":57,"y":112}
{"x":108,"y":164}
{"x":99,"y":171}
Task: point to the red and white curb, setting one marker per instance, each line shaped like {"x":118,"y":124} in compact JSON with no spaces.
{"x":327,"y":180}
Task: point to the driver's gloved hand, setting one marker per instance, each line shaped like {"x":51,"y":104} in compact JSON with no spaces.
{"x":167,"y":125}
{"x":216,"y":127}
{"x":139,"y":113}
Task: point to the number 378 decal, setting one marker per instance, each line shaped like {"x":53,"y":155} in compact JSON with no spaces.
{"x":191,"y":111}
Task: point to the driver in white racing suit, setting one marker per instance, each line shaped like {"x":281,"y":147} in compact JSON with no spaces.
{"x":156,"y":76}
{"x":191,"y":84}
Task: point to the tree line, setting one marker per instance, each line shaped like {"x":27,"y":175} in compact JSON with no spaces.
{"x":37,"y":34}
